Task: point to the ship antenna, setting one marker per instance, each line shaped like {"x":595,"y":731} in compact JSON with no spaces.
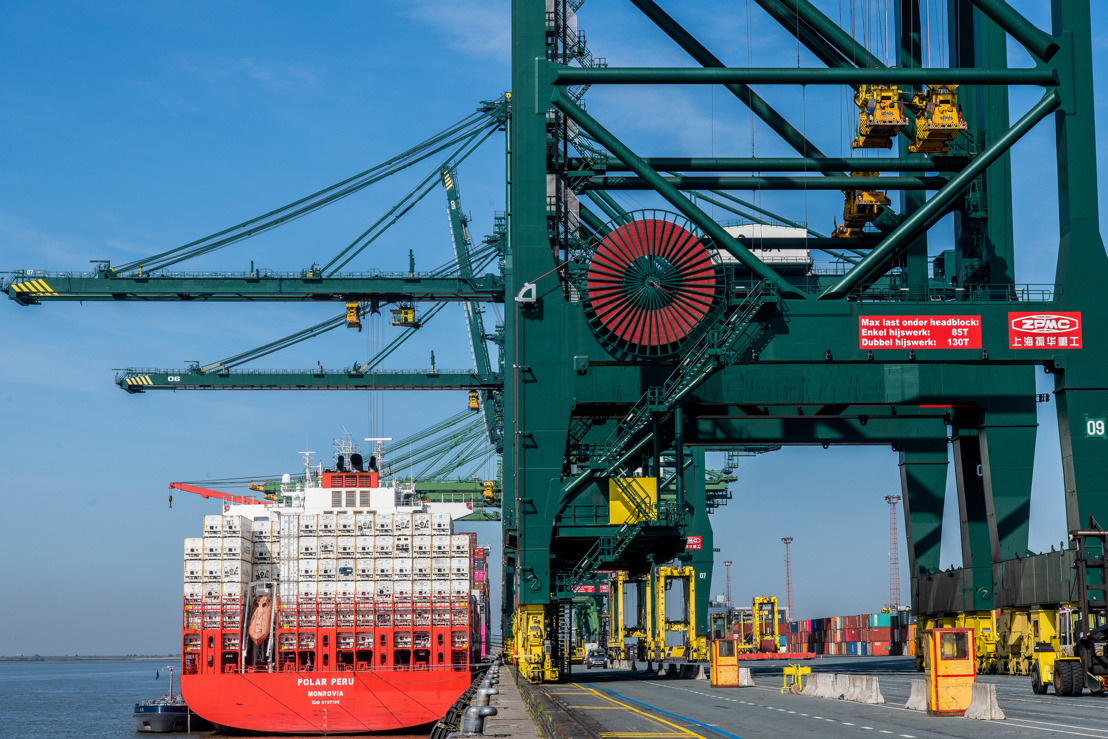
{"x":307,"y":469}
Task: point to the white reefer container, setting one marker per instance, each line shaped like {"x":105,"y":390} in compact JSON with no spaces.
{"x":194,"y":570}
{"x":308,"y":569}
{"x":328,"y":589}
{"x":232,"y":592}
{"x":194,"y":548}
{"x":421,"y":568}
{"x":328,"y":524}
{"x":365,"y":568}
{"x":328,"y":545}
{"x":213,"y":570}
{"x":346,"y":589}
{"x":364,"y":546}
{"x":265,"y":551}
{"x":459,"y":568}
{"x":347,"y":546}
{"x":287,"y":569}
{"x":421,"y":589}
{"x":363,"y":589}
{"x":328,"y":569}
{"x":383,"y":589}
{"x":213,"y":547}
{"x":235,"y":570}
{"x":402,"y":589}
{"x":213,"y":525}
{"x":421,"y":523}
{"x":309,"y":547}
{"x":236,"y":525}
{"x":364,"y":523}
{"x":421,"y":545}
{"x":459,"y":589}
{"x":261,"y":529}
{"x":383,"y":545}
{"x":346,"y":569}
{"x":309,"y":524}
{"x":440,"y":568}
{"x":402,"y":568}
{"x":402,"y":544}
{"x":440,"y":545}
{"x":237,"y":547}
{"x":213,"y":591}
{"x":193,"y":592}
{"x":440,"y":589}
{"x":346,"y":524}
{"x":383,"y":568}
{"x":384,"y":524}
{"x":263,"y":571}
{"x":440,"y":523}
{"x":307,"y":591}
{"x":459,"y":545}
{"x":402,"y":523}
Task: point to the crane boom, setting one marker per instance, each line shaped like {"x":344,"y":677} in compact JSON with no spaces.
{"x":205,"y":493}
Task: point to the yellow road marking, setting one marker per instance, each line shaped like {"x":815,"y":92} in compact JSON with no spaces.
{"x":683,"y":730}
{"x":600,"y":708}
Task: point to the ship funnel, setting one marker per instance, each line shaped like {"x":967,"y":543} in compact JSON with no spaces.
{"x":340,"y":463}
{"x":356,"y":462}
{"x":373,"y":464}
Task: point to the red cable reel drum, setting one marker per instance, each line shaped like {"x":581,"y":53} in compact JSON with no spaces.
{"x":650,"y":285}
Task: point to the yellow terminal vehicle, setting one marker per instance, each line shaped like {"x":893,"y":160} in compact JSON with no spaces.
{"x":1078,"y":657}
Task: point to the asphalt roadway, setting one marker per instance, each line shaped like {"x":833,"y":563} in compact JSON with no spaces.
{"x":613,"y":704}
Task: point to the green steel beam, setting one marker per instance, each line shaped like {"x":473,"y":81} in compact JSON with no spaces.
{"x":1035,"y":40}
{"x":30,"y":287}
{"x":930,"y":212}
{"x":759,"y":107}
{"x":667,"y":191}
{"x":141,"y":380}
{"x":565,"y":76}
{"x":784,"y":164}
{"x":830,"y":182}
{"x":923,"y":471}
{"x":805,"y":33}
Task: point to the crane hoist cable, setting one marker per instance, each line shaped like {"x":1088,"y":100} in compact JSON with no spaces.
{"x":466,"y":147}
{"x":461,"y":131}
{"x":312,"y":331}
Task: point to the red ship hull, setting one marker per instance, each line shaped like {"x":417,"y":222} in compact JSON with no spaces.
{"x":347,"y":702}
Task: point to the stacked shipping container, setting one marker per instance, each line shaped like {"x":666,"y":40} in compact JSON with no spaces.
{"x":351,"y":591}
{"x":876,"y":634}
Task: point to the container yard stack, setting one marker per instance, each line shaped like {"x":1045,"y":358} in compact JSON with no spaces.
{"x":874,"y":634}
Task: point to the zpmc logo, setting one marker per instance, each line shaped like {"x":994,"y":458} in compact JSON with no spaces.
{"x":1046,"y":323}
{"x":1044,"y":331}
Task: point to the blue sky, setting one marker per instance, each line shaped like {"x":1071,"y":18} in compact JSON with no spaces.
{"x":131,"y":128}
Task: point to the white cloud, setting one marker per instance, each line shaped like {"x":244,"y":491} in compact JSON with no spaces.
{"x":478,"y":28}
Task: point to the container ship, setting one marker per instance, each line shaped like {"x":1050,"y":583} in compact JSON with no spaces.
{"x":340,"y":605}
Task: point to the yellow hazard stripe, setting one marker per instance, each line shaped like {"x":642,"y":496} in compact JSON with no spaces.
{"x":38,"y":287}
{"x":141,"y":380}
{"x":447,"y":180}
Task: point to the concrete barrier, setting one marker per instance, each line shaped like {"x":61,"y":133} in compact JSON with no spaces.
{"x":917,"y":701}
{"x":853,"y":688}
{"x":671,"y":672}
{"x":701,"y":672}
{"x":814,"y":687}
{"x":983,"y":705}
{"x":745,"y":679}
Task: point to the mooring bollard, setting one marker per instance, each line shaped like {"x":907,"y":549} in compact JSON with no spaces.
{"x":473,"y":720}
